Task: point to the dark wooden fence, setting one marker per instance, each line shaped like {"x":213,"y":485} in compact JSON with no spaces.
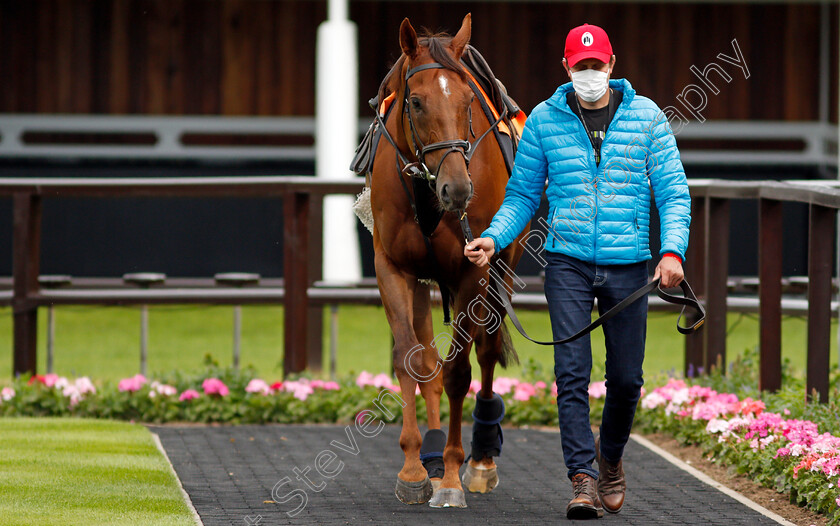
{"x":301,"y":197}
{"x":707,"y":262}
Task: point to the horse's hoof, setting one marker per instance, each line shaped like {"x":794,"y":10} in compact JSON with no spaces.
{"x":448,"y":498}
{"x":414,"y":492}
{"x":436,"y":483}
{"x":479,"y":479}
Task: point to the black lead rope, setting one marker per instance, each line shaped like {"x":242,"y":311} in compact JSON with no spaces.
{"x":688,"y":300}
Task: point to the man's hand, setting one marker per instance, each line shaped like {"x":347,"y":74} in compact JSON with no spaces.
{"x":480,"y":250}
{"x":671,"y":271}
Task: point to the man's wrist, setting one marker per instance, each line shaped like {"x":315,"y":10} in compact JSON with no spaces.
{"x":673,"y":255}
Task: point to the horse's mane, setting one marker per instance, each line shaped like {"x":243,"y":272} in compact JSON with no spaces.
{"x":437,"y":44}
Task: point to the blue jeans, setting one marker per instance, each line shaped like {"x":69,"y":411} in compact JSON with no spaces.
{"x":570,"y":287}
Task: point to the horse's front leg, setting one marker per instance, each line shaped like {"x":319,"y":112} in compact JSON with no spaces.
{"x":397,"y":290}
{"x":456,"y":382}
{"x":431,"y":452}
{"x":481,"y":475}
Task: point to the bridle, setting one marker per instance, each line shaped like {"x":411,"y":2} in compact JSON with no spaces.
{"x":419,"y":168}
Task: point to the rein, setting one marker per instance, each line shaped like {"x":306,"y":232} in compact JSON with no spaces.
{"x":688,"y":300}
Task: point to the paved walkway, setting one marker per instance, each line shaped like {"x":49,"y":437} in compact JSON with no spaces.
{"x":229,"y":473}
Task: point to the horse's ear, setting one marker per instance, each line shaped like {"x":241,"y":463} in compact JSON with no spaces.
{"x":462,"y":38}
{"x":408,"y":39}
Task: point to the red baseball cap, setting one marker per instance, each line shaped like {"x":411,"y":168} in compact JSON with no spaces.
{"x":587,"y":41}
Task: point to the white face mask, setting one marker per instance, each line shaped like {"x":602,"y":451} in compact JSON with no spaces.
{"x":590,"y":84}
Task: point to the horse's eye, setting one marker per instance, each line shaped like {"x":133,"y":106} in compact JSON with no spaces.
{"x":415,"y":103}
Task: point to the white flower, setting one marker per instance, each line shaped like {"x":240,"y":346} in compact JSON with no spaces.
{"x":72,"y":392}
{"x":7,"y":394}
{"x":680,"y":397}
{"x":84,"y":385}
{"x":158,"y":388}
{"x":717,"y":425}
{"x":653,"y":400}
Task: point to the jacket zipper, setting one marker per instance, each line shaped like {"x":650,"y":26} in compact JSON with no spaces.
{"x":596,"y":172}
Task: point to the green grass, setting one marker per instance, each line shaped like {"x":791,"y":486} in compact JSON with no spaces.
{"x":103,"y":342}
{"x":87,"y":472}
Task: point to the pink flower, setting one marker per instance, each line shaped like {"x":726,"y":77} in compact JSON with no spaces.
{"x":132,"y":384}
{"x":597,"y":390}
{"x":540,"y":385}
{"x":333,"y":386}
{"x":782,"y":452}
{"x":364,"y":379}
{"x":475,"y":386}
{"x":301,"y":389}
{"x":554,"y":389}
{"x":189,"y":394}
{"x":214,"y":386}
{"x":524,"y":391}
{"x":504,"y":385}
{"x":50,"y":379}
{"x":7,"y":394}
{"x":383,"y":380}
{"x":258,"y":386}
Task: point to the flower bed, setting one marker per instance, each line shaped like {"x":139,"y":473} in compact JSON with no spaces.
{"x":787,"y":454}
{"x":227,"y":396}
{"x":776,"y":448}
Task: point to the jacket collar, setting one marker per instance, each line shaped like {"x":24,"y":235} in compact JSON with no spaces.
{"x":558,"y":100}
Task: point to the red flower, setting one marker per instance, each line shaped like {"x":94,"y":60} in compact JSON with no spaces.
{"x":35,"y":378}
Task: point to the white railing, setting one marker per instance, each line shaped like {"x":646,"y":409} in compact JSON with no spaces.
{"x":168,"y":132}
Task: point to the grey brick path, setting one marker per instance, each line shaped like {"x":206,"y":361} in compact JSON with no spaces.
{"x":230,"y":471}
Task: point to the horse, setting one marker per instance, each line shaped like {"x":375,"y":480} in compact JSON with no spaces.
{"x":435,"y":115}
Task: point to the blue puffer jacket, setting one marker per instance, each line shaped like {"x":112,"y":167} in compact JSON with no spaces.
{"x":598,"y":214}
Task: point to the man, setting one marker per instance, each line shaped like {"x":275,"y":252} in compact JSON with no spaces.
{"x":601,"y":148}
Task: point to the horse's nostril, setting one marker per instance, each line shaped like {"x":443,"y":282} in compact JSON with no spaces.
{"x":443,"y":193}
{"x":472,"y":190}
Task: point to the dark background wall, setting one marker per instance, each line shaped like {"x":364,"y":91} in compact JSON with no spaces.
{"x":256,"y":57}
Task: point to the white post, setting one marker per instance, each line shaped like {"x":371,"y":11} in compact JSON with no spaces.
{"x":336,"y":138}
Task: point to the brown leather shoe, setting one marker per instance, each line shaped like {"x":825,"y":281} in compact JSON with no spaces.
{"x":611,"y":483}
{"x":585,"y":504}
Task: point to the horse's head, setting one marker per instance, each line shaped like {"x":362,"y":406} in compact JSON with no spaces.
{"x":436,"y":110}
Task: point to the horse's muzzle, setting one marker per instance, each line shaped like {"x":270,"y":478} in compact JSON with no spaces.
{"x":455,"y":196}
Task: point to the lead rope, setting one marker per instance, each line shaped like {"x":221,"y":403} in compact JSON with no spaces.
{"x":688,"y":300}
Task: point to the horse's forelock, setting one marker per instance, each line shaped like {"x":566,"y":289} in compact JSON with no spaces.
{"x":438,"y":45}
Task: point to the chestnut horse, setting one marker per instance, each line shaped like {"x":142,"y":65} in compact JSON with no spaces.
{"x":435,"y":115}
